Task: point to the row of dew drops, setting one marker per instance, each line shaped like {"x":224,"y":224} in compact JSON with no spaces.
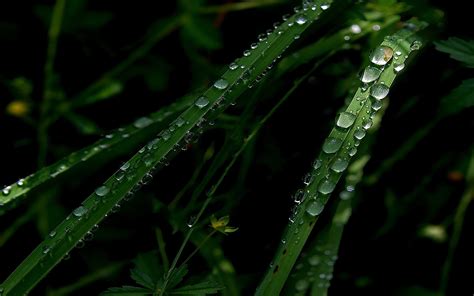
{"x":201,"y":102}
{"x":379,"y":58}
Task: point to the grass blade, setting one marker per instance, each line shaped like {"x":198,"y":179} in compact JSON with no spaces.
{"x":337,"y":152}
{"x":248,"y":70}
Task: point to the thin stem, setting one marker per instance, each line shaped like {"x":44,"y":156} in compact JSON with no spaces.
{"x":199,"y":246}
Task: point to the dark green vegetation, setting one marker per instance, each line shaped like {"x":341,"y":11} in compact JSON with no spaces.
{"x":327,"y":151}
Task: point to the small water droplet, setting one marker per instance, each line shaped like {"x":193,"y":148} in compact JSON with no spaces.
{"x":370,"y":74}
{"x":339,"y":165}
{"x":355,"y":29}
{"x":315,"y":208}
{"x":52,"y":234}
{"x":352,"y":151}
{"x":367,"y":123}
{"x":397,"y":67}
{"x":347,"y":37}
{"x":20,"y":182}
{"x":299,"y":196}
{"x":326,"y":186}
{"x":125,"y":166}
{"x":46,"y":249}
{"x":381,"y":55}
{"x":221,"y":84}
{"x":325,"y":6}
{"x":80,"y":211}
{"x":314,"y":260}
{"x":415,"y":45}
{"x":331,"y":145}
{"x":6,"y":190}
{"x":201,"y":102}
{"x":142,"y":122}
{"x":301,"y":19}
{"x":379,"y":91}
{"x":191,"y":221}
{"x":233,"y":66}
{"x":301,"y":285}
{"x":345,"y":119}
{"x":308,"y":178}
{"x":247,"y":53}
{"x":317,"y":164}
{"x":102,"y":190}
{"x":376,"y":27}
{"x":377,"y":105}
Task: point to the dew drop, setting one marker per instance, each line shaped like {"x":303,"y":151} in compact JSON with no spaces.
{"x":415,"y":45}
{"x":142,"y":122}
{"x":301,"y":19}
{"x":20,"y":182}
{"x":326,"y":186}
{"x":331,"y":145}
{"x":376,"y":27}
{"x":247,"y":53}
{"x":201,"y":102}
{"x":6,"y":190}
{"x":52,"y":234}
{"x":345,"y":120}
{"x":301,"y":285}
{"x":179,"y":121}
{"x":325,"y":6}
{"x":317,"y":164}
{"x":397,"y":67}
{"x":367,"y":124}
{"x":370,"y":74}
{"x":221,"y":84}
{"x":102,"y":190}
{"x":377,"y":105}
{"x":352,"y":151}
{"x":79,"y":211}
{"x":381,"y":55}
{"x":233,"y":66}
{"x":191,"y":221}
{"x":299,"y":196}
{"x":359,"y":134}
{"x":379,"y":91}
{"x":315,"y":208}
{"x":339,"y":165}
{"x":125,"y":166}
{"x":355,"y":29}
{"x":314,"y":260}
{"x":46,"y":249}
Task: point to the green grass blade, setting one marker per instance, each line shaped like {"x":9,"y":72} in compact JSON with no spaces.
{"x":132,"y":135}
{"x":336,"y":154}
{"x":248,"y":70}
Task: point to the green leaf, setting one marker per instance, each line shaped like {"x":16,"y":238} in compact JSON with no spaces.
{"x":204,"y":288}
{"x":83,"y":124}
{"x":147,"y":271}
{"x":460,"y":98}
{"x":201,"y":33}
{"x":177,"y":276}
{"x":127,"y":291}
{"x":458,"y":49}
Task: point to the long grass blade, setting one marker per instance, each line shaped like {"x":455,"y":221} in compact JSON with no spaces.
{"x":337,"y":152}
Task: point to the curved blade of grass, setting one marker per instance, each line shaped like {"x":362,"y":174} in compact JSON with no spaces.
{"x":337,"y":148}
{"x":142,"y":129}
{"x":251,"y":68}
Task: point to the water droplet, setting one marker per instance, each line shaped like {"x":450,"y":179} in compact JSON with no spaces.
{"x":352,"y":151}
{"x":301,"y":19}
{"x":20,"y":182}
{"x":314,"y":260}
{"x":80,"y":211}
{"x":315,"y":208}
{"x":191,"y":221}
{"x":299,"y":196}
{"x":355,"y":29}
{"x":147,"y":178}
{"x":233,"y":66}
{"x":345,"y":195}
{"x":379,"y":91}
{"x":6,"y":190}
{"x":347,"y":37}
{"x":102,"y":190}
{"x":221,"y":84}
{"x":88,"y":236}
{"x":125,"y":166}
{"x":302,"y":285}
{"x":46,"y":249}
{"x":367,"y":123}
{"x":325,"y":6}
{"x":339,"y":165}
{"x":376,"y":27}
{"x":415,"y":45}
{"x":247,"y":53}
{"x":326,"y":186}
{"x":142,"y":122}
{"x":345,"y":119}
{"x":308,"y":178}
{"x":331,"y":145}
{"x":359,"y":134}
{"x":397,"y":67}
{"x":377,"y":105}
{"x":201,"y":102}
{"x":317,"y":164}
{"x":370,"y":74}
{"x":381,"y":55}
{"x":52,"y":234}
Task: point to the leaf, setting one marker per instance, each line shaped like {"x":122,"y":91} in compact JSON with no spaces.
{"x":147,"y":271}
{"x":458,"y":49}
{"x":460,"y":98}
{"x":127,"y":291}
{"x":204,"y":288}
{"x":177,"y":276}
{"x":83,"y":124}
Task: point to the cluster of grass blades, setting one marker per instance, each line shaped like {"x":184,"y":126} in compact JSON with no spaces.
{"x":304,"y":260}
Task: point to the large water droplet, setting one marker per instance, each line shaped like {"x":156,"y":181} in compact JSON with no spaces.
{"x":345,"y":119}
{"x":381,"y":55}
{"x":79,"y":211}
{"x":379,"y":91}
{"x":332,"y":145}
{"x":359,"y":134}
{"x":221,"y":84}
{"x":301,"y":285}
{"x":355,"y":29}
{"x":301,"y":19}
{"x":102,"y":190}
{"x":370,"y":74}
{"x":326,"y":186}
{"x":397,"y":67}
{"x":6,"y":190}
{"x":142,"y":122}
{"x":339,"y":165}
{"x":315,"y":208}
{"x":201,"y":102}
